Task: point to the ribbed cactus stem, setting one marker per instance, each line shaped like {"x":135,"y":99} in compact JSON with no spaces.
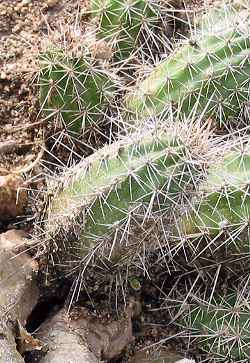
{"x":220,"y":215}
{"x":128,"y":23}
{"x":209,"y":74}
{"x":221,"y":328}
{"x":114,"y":199}
{"x":75,"y":90}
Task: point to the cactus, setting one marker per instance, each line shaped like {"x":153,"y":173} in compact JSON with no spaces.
{"x":75,"y":89}
{"x":209,"y":74}
{"x":114,"y":202}
{"x":221,"y":328}
{"x":128,"y":24}
{"x":219,"y":218}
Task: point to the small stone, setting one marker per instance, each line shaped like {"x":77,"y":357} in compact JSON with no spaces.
{"x":25,"y":2}
{"x":52,"y":2}
{"x":18,"y":294}
{"x":13,"y":197}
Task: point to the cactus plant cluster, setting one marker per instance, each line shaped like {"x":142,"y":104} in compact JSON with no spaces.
{"x":173,"y":187}
{"x":207,"y":74}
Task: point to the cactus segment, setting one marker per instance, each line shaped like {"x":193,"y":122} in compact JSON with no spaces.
{"x":123,"y":21}
{"x":209,"y":74}
{"x":119,"y":194}
{"x":74,"y":90}
{"x":221,"y":213}
{"x":222,"y":328}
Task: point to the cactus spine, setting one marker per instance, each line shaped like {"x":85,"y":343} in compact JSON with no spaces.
{"x":209,"y":74}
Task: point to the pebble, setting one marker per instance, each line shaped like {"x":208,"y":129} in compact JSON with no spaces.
{"x":161,"y":356}
{"x":52,"y":2}
{"x":25,"y":2}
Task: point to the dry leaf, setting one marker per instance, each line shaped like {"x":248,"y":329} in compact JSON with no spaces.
{"x":14,"y":239}
{"x":25,"y":341}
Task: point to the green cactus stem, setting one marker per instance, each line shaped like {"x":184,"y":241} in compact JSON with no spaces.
{"x":125,"y":23}
{"x":220,"y":215}
{"x":209,"y":74}
{"x":221,"y":328}
{"x":75,"y":90}
{"x":114,"y":202}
